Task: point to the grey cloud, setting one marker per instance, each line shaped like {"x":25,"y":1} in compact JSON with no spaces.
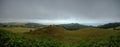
{"x":78,"y":10}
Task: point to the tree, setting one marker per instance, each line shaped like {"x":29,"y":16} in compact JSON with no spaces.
{"x":110,"y":25}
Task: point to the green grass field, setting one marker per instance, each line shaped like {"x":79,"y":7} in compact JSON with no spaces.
{"x":86,"y":37}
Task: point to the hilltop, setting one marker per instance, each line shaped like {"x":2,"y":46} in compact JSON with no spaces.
{"x":51,"y":29}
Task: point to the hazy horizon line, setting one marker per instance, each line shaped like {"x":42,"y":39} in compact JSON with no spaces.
{"x":89,"y":24}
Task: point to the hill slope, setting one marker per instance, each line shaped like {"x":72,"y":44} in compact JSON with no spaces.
{"x":52,"y":29}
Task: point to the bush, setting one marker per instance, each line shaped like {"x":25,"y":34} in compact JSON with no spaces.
{"x":8,"y":39}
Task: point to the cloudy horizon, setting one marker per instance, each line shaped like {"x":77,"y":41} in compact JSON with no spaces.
{"x":60,"y":11}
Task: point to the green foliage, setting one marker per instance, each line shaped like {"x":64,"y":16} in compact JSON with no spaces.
{"x":30,"y":25}
{"x":8,"y":39}
{"x":109,"y":25}
{"x":73,"y":26}
{"x":115,"y":40}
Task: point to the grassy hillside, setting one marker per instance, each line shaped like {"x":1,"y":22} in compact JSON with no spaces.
{"x":55,"y":36}
{"x":8,"y":39}
{"x":17,"y":29}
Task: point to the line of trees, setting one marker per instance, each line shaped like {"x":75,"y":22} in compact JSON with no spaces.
{"x":73,"y":26}
{"x":110,"y":25}
{"x":29,"y":25}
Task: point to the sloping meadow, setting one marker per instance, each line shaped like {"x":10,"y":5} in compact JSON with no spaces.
{"x":54,"y":36}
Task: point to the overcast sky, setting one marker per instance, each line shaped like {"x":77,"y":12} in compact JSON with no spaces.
{"x":60,"y":11}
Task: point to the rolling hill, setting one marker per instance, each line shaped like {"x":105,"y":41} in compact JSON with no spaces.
{"x":57,"y":36}
{"x":51,"y":29}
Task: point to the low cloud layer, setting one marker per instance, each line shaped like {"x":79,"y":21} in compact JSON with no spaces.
{"x":60,"y":11}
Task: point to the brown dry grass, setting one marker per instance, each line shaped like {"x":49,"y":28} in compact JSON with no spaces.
{"x":17,"y":29}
